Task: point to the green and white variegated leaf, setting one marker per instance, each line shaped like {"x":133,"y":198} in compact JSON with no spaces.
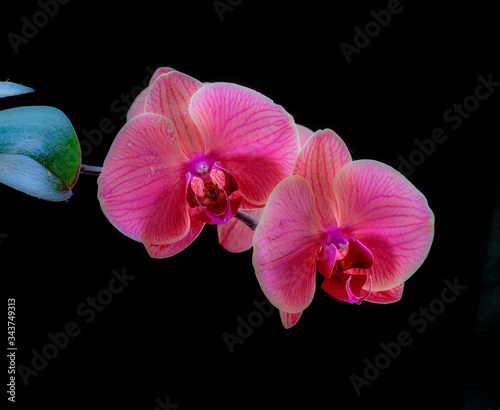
{"x":39,"y":152}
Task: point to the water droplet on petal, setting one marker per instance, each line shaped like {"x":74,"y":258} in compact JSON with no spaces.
{"x":170,"y":130}
{"x":129,"y":144}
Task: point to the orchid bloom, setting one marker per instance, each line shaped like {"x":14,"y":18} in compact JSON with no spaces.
{"x":361,"y":224}
{"x":191,"y":154}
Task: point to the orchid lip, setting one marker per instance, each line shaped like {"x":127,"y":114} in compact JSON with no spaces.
{"x":357,"y":256}
{"x":336,"y":257}
{"x":351,"y":297}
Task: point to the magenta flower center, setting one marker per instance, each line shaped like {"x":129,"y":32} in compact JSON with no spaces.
{"x":209,"y":188}
{"x":336,"y":238}
{"x":339,"y":254}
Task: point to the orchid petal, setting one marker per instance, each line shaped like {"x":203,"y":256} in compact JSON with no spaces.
{"x":319,"y":161}
{"x":255,"y":139}
{"x":142,"y":187}
{"x":168,"y":250}
{"x":286,"y":245}
{"x":358,"y":256}
{"x":379,"y":207}
{"x":304,"y":134}
{"x":326,"y":260}
{"x":245,"y":205}
{"x":386,"y":296}
{"x":355,"y":293}
{"x":137,"y":106}
{"x":169,"y":96}
{"x":160,"y":71}
{"x":235,"y":236}
{"x":289,"y":319}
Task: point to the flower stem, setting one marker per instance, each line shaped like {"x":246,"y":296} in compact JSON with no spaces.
{"x":90,"y":170}
{"x":248,"y":220}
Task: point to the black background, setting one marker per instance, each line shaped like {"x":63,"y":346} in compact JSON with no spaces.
{"x":162,"y":336}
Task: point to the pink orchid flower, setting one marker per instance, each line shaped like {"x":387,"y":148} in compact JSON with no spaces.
{"x":362,"y":224}
{"x":191,"y":154}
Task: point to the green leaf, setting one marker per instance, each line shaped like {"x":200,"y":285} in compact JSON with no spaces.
{"x":39,"y":152}
{"x":8,"y":89}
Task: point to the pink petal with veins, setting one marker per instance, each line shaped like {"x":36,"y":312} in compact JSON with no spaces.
{"x":289,"y":319}
{"x":168,"y":250}
{"x":319,"y":161}
{"x":169,"y":96}
{"x":326,"y":260}
{"x":379,"y":207}
{"x":304,"y":134}
{"x":286,"y":245}
{"x":160,"y":71}
{"x":142,"y":187}
{"x":386,"y":296}
{"x":255,"y":139}
{"x":137,"y":106}
{"x":235,"y":236}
